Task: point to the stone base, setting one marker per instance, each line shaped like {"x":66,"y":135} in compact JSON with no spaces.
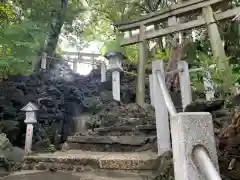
{"x":126,"y":130}
{"x":85,"y":160}
{"x":88,"y":175}
{"x":110,"y":143}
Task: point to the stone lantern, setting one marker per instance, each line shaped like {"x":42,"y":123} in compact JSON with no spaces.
{"x":115,"y":60}
{"x":31,"y":119}
{"x":115,"y":66}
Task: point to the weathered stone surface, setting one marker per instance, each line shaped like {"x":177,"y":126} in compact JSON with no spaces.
{"x":116,"y":130}
{"x":124,"y":140}
{"x":87,"y":175}
{"x":111,"y":143}
{"x":86,"y":159}
{"x":62,"y":96}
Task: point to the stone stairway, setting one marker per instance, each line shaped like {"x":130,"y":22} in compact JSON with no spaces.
{"x":125,"y":149}
{"x":115,"y":138}
{"x":90,"y":175}
{"x":79,"y":161}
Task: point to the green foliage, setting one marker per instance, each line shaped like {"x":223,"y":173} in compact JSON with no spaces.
{"x":162,"y":54}
{"x":222,"y":80}
{"x":18,"y":44}
{"x":113,"y":44}
{"x":24,"y":26}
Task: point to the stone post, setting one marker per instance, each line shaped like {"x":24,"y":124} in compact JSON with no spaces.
{"x":103,"y":71}
{"x":189,"y":131}
{"x":115,"y":60}
{"x":185,"y":85}
{"x":30,"y":110}
{"x":75,"y":65}
{"x":161,"y":112}
{"x":208,"y":87}
{"x":151,"y":89}
{"x":116,"y":85}
{"x":44,"y":61}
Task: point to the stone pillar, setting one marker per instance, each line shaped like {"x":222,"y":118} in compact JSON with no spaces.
{"x":44,"y":61}
{"x":75,"y":65}
{"x":103,"y":71}
{"x":161,"y":112}
{"x":190,"y":130}
{"x":151,"y":89}
{"x":208,"y":87}
{"x":116,"y":85}
{"x":185,"y":86}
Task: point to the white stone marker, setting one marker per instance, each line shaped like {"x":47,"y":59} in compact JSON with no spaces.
{"x":151,"y":89}
{"x":185,"y":85}
{"x":103,"y":71}
{"x":188,"y":130}
{"x":208,"y":87}
{"x":161,"y":112}
{"x":44,"y":61}
{"x":30,"y":110}
{"x":116,"y":85}
{"x":75,"y":65}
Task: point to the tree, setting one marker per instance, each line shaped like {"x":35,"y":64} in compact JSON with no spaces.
{"x":25,"y":27}
{"x":104,"y":12}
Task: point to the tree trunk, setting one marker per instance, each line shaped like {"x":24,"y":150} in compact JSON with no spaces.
{"x":57,"y":21}
{"x":177,"y":53}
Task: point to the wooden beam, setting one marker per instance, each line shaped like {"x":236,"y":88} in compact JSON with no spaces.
{"x":82,"y":54}
{"x":215,"y":38}
{"x":140,"y":89}
{"x":174,"y":10}
{"x":181,"y":27}
{"x":88,"y":61}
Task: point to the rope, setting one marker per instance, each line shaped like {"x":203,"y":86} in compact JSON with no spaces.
{"x":93,"y":63}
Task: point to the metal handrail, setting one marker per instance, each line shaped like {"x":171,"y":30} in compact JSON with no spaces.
{"x":170,"y":106}
{"x":205,"y":164}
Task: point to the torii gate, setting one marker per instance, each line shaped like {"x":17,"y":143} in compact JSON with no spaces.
{"x":96,"y":60}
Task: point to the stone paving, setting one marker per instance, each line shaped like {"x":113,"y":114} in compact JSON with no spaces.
{"x":99,"y":160}
{"x":91,"y":175}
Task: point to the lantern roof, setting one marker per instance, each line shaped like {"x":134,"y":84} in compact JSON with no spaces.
{"x":112,"y":54}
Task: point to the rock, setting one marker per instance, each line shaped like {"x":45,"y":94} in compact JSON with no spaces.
{"x":10,"y":155}
{"x":204,"y":106}
{"x":58,"y":93}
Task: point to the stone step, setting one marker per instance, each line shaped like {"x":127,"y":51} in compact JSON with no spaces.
{"x":81,"y":161}
{"x":87,"y":175}
{"x":126,"y":130}
{"x":109,"y":143}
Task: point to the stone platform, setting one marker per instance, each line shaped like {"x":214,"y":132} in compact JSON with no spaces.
{"x":91,"y":175}
{"x":126,"y":130}
{"x":76,"y":161}
{"x":110,"y":143}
